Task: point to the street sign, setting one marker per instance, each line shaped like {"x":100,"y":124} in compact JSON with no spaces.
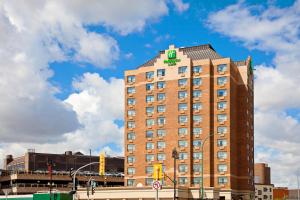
{"x":156,"y":185}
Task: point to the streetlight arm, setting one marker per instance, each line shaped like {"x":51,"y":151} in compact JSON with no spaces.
{"x":173,"y":181}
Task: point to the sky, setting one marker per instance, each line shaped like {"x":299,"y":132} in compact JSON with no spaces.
{"x":62,"y":67}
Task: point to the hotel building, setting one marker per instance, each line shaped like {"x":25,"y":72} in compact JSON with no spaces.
{"x":177,"y":100}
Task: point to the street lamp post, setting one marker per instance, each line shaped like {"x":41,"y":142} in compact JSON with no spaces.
{"x":298,"y":184}
{"x":175,"y":156}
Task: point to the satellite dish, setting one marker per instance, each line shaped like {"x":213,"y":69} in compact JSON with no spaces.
{"x":139,"y":185}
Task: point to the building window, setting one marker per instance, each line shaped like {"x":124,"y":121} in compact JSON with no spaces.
{"x":197,"y":180}
{"x":182,"y":143}
{"x":150,"y":110}
{"x":197,"y":69}
{"x":148,"y":181}
{"x":150,"y":122}
{"x":182,"y":82}
{"x":182,"y":131}
{"x":161,"y":120}
{"x":197,"y":155}
{"x":222,"y":68}
{"x":222,"y":129}
{"x":222,"y":168}
{"x":130,"y":90}
{"x":149,"y":86}
{"x":182,"y":168}
{"x":130,"y":79}
{"x":222,"y":80}
{"x":149,"y":98}
{"x":161,"y":96}
{"x":196,"y":143}
{"x":131,"y":113}
{"x":149,"y":75}
{"x":149,"y":145}
{"x":182,"y":94}
{"x":149,"y":169}
{"x":161,"y":132}
{"x":182,"y":70}
{"x":182,"y":106}
{"x":182,"y":180}
{"x":197,"y":81}
{"x":259,"y":192}
{"x":197,"y":131}
{"x":222,"y":105}
{"x":149,"y":134}
{"x":222,"y":154}
{"x":130,"y":182}
{"x":130,"y":124}
{"x":197,"y":118}
{"x":197,"y":167}
{"x":161,"y":145}
{"x":197,"y":93}
{"x":182,"y":156}
{"x":161,"y":72}
{"x":161,"y":84}
{"x":182,"y":119}
{"x":130,"y":147}
{"x":130,"y":170}
{"x":222,"y":93}
{"x":222,"y":117}
{"x":131,"y":136}
{"x":222,"y":143}
{"x":130,"y":101}
{"x":130,"y":159}
{"x":222,"y":180}
{"x":161,"y":108}
{"x":161,"y":156}
{"x":197,"y":106}
{"x":149,"y":157}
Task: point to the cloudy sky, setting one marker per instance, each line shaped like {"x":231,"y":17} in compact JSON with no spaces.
{"x":62,"y":65}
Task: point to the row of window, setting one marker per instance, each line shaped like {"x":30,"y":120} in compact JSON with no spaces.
{"x":181,"y":70}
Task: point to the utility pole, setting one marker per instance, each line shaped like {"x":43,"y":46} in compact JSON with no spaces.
{"x":175,"y":156}
{"x":298,"y":184}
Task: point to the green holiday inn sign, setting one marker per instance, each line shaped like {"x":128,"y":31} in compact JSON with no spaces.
{"x":172,"y":60}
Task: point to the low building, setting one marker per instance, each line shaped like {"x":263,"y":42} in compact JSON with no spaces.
{"x":262,"y":182}
{"x":293,"y":194}
{"x":280,"y":193}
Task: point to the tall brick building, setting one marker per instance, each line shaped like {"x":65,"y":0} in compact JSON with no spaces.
{"x":176,"y":100}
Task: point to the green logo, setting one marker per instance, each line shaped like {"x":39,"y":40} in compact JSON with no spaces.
{"x":172,"y":60}
{"x":172,"y":54}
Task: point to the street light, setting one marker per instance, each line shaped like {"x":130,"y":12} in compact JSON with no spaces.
{"x":175,"y":156}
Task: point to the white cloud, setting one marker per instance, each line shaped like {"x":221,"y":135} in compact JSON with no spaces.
{"x":180,"y":6}
{"x":274,"y":30}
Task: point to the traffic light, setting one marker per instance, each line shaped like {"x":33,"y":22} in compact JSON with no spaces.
{"x":157,"y":171}
{"x":101,"y":164}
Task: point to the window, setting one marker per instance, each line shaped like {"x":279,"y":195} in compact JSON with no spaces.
{"x":149,"y":157}
{"x":197,"y":131}
{"x":182,"y":119}
{"x":222,"y":80}
{"x":222,"y":68}
{"x":182,"y":70}
{"x":130,"y":79}
{"x":161,"y":145}
{"x":130,"y":170}
{"x":182,"y":143}
{"x":182,"y":106}
{"x":197,"y":167}
{"x":197,"y":81}
{"x":182,"y":168}
{"x":222,"y":93}
{"x":149,"y":145}
{"x":150,"y":122}
{"x":182,"y":131}
{"x":130,"y":90}
{"x":149,"y":86}
{"x":197,"y":143}
{"x":161,"y":156}
{"x":148,"y":181}
{"x":161,"y":84}
{"x":222,"y":154}
{"x":161,"y":120}
{"x":161,"y":108}
{"x":130,"y":147}
{"x":130,"y":182}
{"x":222,"y":129}
{"x":197,"y":155}
{"x":161,"y":96}
{"x":130,"y":136}
{"x":150,"y":110}
{"x":161,"y":72}
{"x":222,"y":117}
{"x":149,"y":134}
{"x":149,"y":98}
{"x":222,"y":168}
{"x":197,"y":69}
{"x":130,"y":101}
{"x":222,"y":143}
{"x":149,"y":170}
{"x":161,"y":132}
{"x":265,"y":189}
{"x":222,"y":105}
{"x":130,"y":124}
{"x":182,"y":156}
{"x":182,"y":94}
{"x":182,"y":82}
{"x":130,"y":159}
{"x":259,"y":192}
{"x":131,"y":113}
{"x":197,"y":93}
{"x":197,"y":106}
{"x":182,"y":180}
{"x":197,"y":180}
{"x":149,"y":75}
{"x":222,"y":180}
{"x":197,"y":118}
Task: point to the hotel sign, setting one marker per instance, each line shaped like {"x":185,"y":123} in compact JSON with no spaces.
{"x":172,"y":60}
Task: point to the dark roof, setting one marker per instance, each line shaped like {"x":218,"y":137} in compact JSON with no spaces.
{"x":205,"y":51}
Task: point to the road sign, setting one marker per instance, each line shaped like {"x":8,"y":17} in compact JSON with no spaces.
{"x":156,"y":185}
